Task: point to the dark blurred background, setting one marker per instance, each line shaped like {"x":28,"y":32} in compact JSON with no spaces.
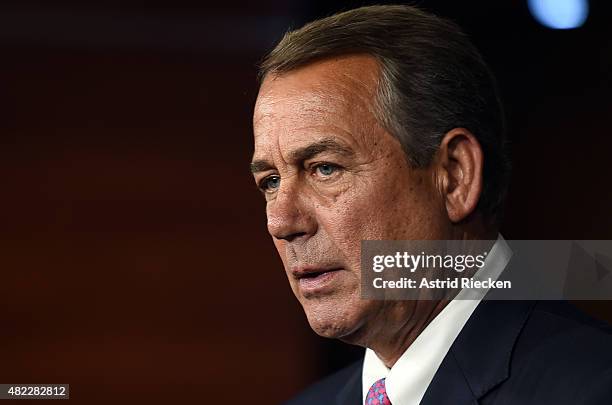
{"x":135,"y":260}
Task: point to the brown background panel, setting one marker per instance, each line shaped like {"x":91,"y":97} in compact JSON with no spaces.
{"x":135,"y":262}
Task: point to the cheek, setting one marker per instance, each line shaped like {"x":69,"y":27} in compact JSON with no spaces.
{"x":399,"y":209}
{"x":350,"y":220}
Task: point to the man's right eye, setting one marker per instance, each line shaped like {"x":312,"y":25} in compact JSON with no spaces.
{"x":270,"y":183}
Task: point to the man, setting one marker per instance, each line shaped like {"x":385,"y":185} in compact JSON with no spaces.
{"x":384,"y":123}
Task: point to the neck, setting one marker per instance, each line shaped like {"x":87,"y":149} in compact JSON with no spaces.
{"x":403,"y":321}
{"x":390,"y":347}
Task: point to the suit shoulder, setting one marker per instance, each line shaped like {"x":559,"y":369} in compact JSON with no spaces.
{"x":562,"y":356}
{"x":564,"y":338}
{"x":322,"y":390}
{"x":569,"y":313}
{"x":560,"y":319}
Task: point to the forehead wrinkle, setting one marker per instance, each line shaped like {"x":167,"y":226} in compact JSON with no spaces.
{"x":311,"y":102}
{"x":319,"y":139}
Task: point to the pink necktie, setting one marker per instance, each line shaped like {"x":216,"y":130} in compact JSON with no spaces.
{"x":377,"y":395}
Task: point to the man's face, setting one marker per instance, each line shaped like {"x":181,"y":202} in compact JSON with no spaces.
{"x":332,"y":177}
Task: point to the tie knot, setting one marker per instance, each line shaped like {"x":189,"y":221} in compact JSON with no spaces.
{"x":377,"y":395}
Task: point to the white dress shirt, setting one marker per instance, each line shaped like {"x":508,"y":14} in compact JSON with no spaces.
{"x":408,"y":379}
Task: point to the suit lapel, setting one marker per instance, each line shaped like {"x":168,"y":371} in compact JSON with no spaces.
{"x":479,"y":359}
{"x":449,"y":386}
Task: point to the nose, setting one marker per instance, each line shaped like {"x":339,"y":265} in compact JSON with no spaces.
{"x":290,"y":215}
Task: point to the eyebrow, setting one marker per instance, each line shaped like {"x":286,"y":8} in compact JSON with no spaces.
{"x":305,"y":153}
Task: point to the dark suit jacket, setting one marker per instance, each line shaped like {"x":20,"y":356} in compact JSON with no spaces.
{"x":509,"y":352}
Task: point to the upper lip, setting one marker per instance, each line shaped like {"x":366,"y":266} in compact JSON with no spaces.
{"x":311,"y":271}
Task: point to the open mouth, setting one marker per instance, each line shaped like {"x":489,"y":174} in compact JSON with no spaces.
{"x":310,"y":273}
{"x":313,"y":274}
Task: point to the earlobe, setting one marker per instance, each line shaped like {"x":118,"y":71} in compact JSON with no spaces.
{"x":461,"y":159}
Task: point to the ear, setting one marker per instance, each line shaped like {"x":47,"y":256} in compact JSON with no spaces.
{"x":460,"y":165}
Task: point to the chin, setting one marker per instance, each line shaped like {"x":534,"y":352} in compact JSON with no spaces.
{"x":332,"y":329}
{"x":335,"y":319}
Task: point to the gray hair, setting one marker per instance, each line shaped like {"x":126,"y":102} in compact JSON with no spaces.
{"x":432,"y":80}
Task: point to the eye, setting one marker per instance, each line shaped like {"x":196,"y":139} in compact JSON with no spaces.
{"x":270,"y":183}
{"x":326,"y":169}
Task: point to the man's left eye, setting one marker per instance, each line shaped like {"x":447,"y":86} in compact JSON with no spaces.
{"x":326,"y":169}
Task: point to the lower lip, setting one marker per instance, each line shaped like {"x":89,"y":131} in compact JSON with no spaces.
{"x":317,"y":283}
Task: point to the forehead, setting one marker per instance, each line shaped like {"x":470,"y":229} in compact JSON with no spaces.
{"x":329,"y":95}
